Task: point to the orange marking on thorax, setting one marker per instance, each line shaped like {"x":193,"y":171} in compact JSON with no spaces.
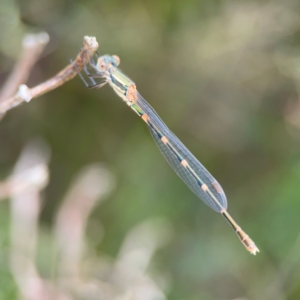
{"x":164,"y":140}
{"x":131,"y":93}
{"x":145,"y":118}
{"x":184,"y":163}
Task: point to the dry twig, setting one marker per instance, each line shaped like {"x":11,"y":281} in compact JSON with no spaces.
{"x":90,"y":187}
{"x":33,"y":45}
{"x":25,"y":94}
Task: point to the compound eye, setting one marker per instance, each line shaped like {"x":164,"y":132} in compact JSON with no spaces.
{"x":101,"y":65}
{"x":116,"y":59}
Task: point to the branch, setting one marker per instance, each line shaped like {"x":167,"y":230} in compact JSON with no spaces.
{"x":33,"y":45}
{"x":90,"y":187}
{"x":26,"y":94}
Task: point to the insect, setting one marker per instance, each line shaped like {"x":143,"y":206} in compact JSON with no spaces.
{"x":183,"y":162}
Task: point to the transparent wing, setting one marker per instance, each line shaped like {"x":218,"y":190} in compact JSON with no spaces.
{"x":204,"y":176}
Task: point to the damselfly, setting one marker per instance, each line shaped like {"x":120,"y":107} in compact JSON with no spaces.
{"x":184,"y":163}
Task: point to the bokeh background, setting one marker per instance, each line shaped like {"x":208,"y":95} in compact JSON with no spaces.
{"x":224,"y":76}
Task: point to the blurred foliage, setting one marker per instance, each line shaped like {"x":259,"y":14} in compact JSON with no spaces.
{"x":224,"y":76}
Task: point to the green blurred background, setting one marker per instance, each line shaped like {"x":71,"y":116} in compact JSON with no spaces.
{"x":224,"y":76}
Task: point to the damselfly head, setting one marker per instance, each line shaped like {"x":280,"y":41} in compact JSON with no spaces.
{"x":107,"y":63}
{"x":116,"y":59}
